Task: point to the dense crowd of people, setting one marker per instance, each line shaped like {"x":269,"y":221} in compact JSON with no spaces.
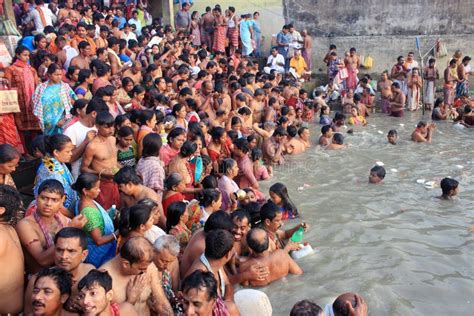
{"x":152,"y":140}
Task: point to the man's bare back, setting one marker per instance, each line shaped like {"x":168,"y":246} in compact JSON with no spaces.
{"x":195,"y":248}
{"x":279,"y":263}
{"x":12,"y":267}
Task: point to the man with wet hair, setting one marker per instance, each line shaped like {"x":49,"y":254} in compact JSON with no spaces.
{"x":279,"y":262}
{"x":51,"y":290}
{"x":423,"y":132}
{"x":218,"y":252}
{"x":70,"y":251}
{"x":196,"y":246}
{"x":96,"y":294}
{"x":135,"y":278}
{"x":271,"y":217}
{"x":306,"y":308}
{"x":377,"y":174}
{"x":337,"y":142}
{"x":37,"y":232}
{"x":450,"y":188}
{"x":199,"y":292}
{"x":350,"y":304}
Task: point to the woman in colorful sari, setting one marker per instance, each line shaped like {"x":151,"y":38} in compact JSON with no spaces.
{"x":53,"y":166}
{"x":102,"y":240}
{"x":23,"y":78}
{"x":52,"y":102}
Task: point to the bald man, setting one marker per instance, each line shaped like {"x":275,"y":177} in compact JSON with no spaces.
{"x":136,"y":279}
{"x":279,"y":262}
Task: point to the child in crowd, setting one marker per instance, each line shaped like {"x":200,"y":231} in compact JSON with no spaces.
{"x":126,"y":153}
{"x":279,"y":195}
{"x":377,"y":174}
{"x":450,"y":188}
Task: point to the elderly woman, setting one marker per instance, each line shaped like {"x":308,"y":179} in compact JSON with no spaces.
{"x":165,"y":259}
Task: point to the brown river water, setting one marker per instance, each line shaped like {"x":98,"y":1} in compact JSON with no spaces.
{"x":403,"y":249}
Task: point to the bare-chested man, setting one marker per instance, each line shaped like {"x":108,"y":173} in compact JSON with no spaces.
{"x":11,"y":255}
{"x":294,"y":145}
{"x":206,"y":100}
{"x":337,"y":142}
{"x":100,"y":157}
{"x":36,"y":232}
{"x":196,"y":246}
{"x":423,"y":132}
{"x":136,"y":280}
{"x":70,"y":251}
{"x":219,"y":250}
{"x":399,"y":74}
{"x":257,"y":105}
{"x":132,"y":190}
{"x":68,"y":12}
{"x":135,"y":72}
{"x":271,"y":217}
{"x":83,"y":60}
{"x":326,"y":135}
{"x":96,"y":296}
{"x":430,"y":75}
{"x":397,"y":100}
{"x":279,"y":261}
{"x":307,"y":49}
{"x":385,"y":88}
{"x":51,"y":290}
{"x":207,"y":27}
{"x":352,"y":63}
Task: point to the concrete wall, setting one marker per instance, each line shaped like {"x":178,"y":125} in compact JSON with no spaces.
{"x":381,"y":17}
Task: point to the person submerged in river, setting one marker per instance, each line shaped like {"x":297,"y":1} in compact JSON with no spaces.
{"x":377,"y":174}
{"x":392,"y":136}
{"x":337,"y":142}
{"x":450,"y":188}
{"x":423,"y":132}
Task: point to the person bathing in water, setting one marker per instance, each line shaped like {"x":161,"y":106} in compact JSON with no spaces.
{"x":450,"y":188}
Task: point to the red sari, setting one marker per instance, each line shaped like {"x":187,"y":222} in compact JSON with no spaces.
{"x":8,"y":132}
{"x":23,"y":78}
{"x":178,"y":196}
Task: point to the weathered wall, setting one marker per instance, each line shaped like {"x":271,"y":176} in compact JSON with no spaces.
{"x":381,"y":17}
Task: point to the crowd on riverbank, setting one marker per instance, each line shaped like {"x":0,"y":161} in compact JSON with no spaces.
{"x":152,"y":140}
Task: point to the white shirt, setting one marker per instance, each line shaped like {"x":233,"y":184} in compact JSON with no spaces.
{"x":77,"y":132}
{"x":274,"y":61}
{"x":34,"y":15}
{"x":71,"y":52}
{"x":138,"y":24}
{"x":128,"y":37}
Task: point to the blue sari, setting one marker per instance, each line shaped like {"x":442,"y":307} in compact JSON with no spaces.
{"x":50,"y":168}
{"x":98,"y":255}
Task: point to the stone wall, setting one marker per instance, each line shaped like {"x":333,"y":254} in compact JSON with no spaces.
{"x":381,"y":17}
